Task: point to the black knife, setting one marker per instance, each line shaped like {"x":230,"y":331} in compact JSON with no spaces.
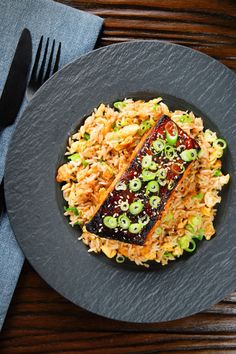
{"x":14,"y":89}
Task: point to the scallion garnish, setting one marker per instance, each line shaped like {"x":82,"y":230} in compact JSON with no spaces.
{"x":124,"y":205}
{"x":86,"y":136}
{"x":135,"y":228}
{"x":72,"y":209}
{"x":144,"y":220}
{"x":135,"y":184}
{"x":198,"y":196}
{"x":162,"y":173}
{"x":159,"y":145}
{"x":119,"y":105}
{"x":217,"y":172}
{"x":155,"y":201}
{"x":155,"y":107}
{"x":171,"y":133}
{"x":185,"y":241}
{"x":189,"y":155}
{"x":219,"y":144}
{"x":110,"y":222}
{"x":120,"y":186}
{"x":146,"y":161}
{"x":120,"y":258}
{"x":124,"y":221}
{"x":85,"y":163}
{"x":170,"y":152}
{"x":153,"y":166}
{"x":152,"y":187}
{"x":185,"y":118}
{"x":136,"y":207}
{"x":74,"y":157}
{"x":171,"y":185}
{"x":148,"y":175}
{"x":145,"y":126}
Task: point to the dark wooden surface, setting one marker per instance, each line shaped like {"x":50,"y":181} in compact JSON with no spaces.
{"x":41,"y":321}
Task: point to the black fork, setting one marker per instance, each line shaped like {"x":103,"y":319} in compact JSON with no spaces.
{"x":46,"y":63}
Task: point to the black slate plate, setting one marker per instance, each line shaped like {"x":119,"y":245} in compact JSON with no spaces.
{"x":144,"y":69}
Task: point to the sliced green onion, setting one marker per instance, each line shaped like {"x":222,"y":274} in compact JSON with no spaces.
{"x":135,"y":185}
{"x":168,"y":217}
{"x":162,"y":182}
{"x":146,"y":161}
{"x":217,"y":173}
{"x":171,"y":185}
{"x":72,"y":209}
{"x":199,"y":235}
{"x":210,"y":136}
{"x":124,"y":206}
{"x":195,"y":221}
{"x":119,"y":105}
{"x":120,"y":186}
{"x":168,"y":254}
{"x":110,"y":222}
{"x":189,"y":155}
{"x":192,"y":248}
{"x":190,"y":228}
{"x":148,"y":175}
{"x":198,"y":196}
{"x":135,"y":228}
{"x":185,"y":241}
{"x":220,"y":144}
{"x":153,"y":187}
{"x":159,"y":145}
{"x":162,"y":173}
{"x":185,"y":118}
{"x":170,"y":152}
{"x":144,"y":126}
{"x":120,"y":258}
{"x":136,"y":207}
{"x":158,"y":230}
{"x":155,"y":106}
{"x":85,"y":163}
{"x":155,"y":201}
{"x":77,"y":223}
{"x":152,"y":122}
{"x":86,"y":136}
{"x":153,"y":166}
{"x":124,"y":221}
{"x":74,"y":157}
{"x":171,"y":133}
{"x":144,"y":220}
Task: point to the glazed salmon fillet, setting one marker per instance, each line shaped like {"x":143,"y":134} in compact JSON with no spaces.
{"x":134,"y":203}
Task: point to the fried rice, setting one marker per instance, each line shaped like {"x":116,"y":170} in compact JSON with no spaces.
{"x":103,"y":146}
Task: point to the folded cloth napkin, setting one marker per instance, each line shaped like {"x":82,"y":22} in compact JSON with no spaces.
{"x":78,"y":32}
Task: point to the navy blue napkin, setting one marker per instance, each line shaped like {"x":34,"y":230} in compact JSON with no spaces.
{"x":78,"y":32}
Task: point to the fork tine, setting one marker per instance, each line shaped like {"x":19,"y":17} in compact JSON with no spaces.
{"x":41,"y":70}
{"x":46,"y":77}
{"x":36,"y":62}
{"x":57,"y":59}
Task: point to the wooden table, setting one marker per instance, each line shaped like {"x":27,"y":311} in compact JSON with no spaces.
{"x":41,"y":321}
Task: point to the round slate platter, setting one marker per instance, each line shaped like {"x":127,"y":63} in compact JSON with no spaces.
{"x":144,"y":69}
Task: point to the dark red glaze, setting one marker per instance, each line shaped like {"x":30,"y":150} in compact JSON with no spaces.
{"x":111,"y":206}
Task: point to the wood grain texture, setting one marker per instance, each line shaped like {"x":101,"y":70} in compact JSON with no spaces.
{"x":40,"y":320}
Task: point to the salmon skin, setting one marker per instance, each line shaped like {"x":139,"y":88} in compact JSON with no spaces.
{"x":118,"y":218}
